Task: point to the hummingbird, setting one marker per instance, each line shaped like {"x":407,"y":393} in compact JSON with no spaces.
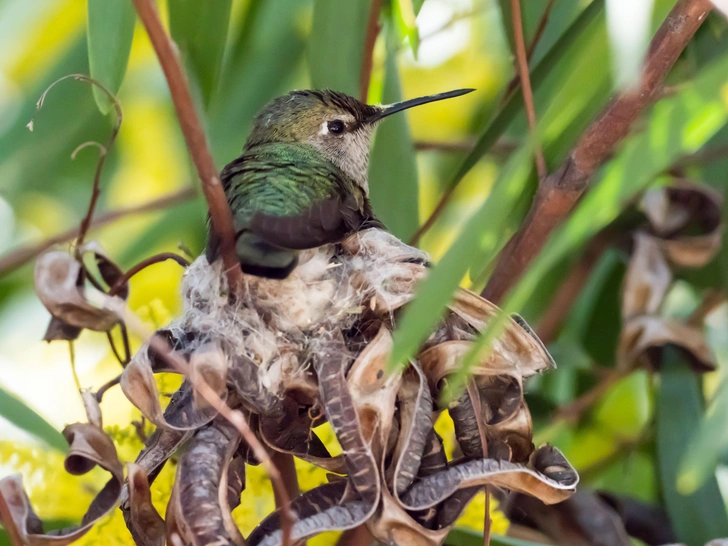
{"x":301,"y":181}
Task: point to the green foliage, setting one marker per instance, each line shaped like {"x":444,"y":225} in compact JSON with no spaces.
{"x":200,"y":31}
{"x":701,"y":516}
{"x":393,"y":179}
{"x":19,"y":414}
{"x":110,"y":31}
{"x":336,"y":45}
{"x":239,"y":55}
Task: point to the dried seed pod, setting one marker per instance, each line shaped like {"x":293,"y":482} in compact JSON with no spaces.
{"x":59,"y":285}
{"x":89,"y":447}
{"x":686,"y":218}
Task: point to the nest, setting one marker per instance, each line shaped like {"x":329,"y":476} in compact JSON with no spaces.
{"x":290,"y":354}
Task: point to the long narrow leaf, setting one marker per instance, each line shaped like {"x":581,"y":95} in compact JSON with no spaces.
{"x":479,"y":239}
{"x":200,"y":31}
{"x":336,"y":46}
{"x":678,"y":126}
{"x":110,"y":32}
{"x":393,"y":171}
{"x":700,"y":517}
{"x":15,"y":411}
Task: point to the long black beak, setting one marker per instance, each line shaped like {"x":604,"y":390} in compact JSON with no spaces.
{"x":390,"y":109}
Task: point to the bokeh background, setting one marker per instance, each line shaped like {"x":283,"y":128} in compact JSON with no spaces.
{"x":272,"y":46}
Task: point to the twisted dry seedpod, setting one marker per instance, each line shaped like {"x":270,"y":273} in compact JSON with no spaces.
{"x":314,"y":346}
{"x":685,"y":229}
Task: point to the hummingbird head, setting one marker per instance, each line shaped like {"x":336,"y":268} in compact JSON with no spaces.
{"x":339,"y":126}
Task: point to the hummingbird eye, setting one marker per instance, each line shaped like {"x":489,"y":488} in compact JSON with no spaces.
{"x":336,"y":127}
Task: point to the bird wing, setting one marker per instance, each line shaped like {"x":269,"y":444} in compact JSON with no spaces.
{"x":290,"y":196}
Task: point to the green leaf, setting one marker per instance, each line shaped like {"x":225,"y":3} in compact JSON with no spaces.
{"x":404,"y":14}
{"x":393,"y":170}
{"x":677,"y":126}
{"x":700,"y":517}
{"x":200,"y":31}
{"x":110,"y":32}
{"x":15,"y":411}
{"x":706,"y":445}
{"x":267,"y":49}
{"x":584,"y":29}
{"x":336,"y":46}
{"x":480,"y":239}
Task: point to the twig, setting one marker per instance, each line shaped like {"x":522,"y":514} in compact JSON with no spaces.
{"x":426,"y":145}
{"x":515,"y":81}
{"x":524,"y":75}
{"x":286,"y":466}
{"x":157,"y":258}
{"x":16,"y":258}
{"x":712,"y":299}
{"x":373,"y":28}
{"x":103,"y":150}
{"x":236,"y":418}
{"x":123,"y":361}
{"x":559,"y":192}
{"x":574,"y":410}
{"x":477,"y":408}
{"x":220,"y":215}
{"x":704,"y":155}
{"x":510,"y":88}
{"x":571,"y":287}
{"x":105,"y":387}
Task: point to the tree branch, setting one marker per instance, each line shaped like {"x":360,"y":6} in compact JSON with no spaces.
{"x":558,"y":193}
{"x":16,"y":258}
{"x":373,"y":28}
{"x":523,"y":74}
{"x":220,"y":215}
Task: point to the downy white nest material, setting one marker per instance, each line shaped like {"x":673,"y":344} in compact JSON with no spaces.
{"x":330,"y":287}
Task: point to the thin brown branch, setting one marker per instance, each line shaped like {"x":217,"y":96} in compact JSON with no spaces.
{"x":515,"y":81}
{"x":441,"y":146}
{"x":105,"y":387}
{"x":575,"y":409}
{"x":510,"y":88}
{"x":702,"y":156}
{"x":711,"y":300}
{"x":103,"y":150}
{"x":373,"y":28}
{"x":551,"y":320}
{"x":559,"y":192}
{"x":477,"y":408}
{"x":235,"y":417}
{"x":525,"y":77}
{"x":16,"y":258}
{"x":286,"y":466}
{"x":157,"y":258}
{"x":220,"y":215}
{"x":103,"y":153}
